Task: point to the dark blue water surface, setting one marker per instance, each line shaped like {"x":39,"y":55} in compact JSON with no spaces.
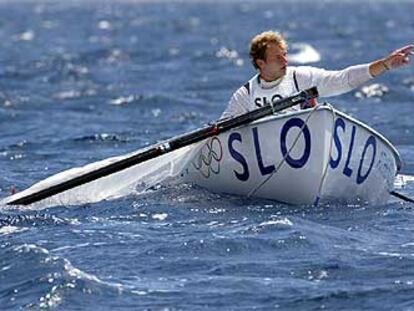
{"x":82,"y":81}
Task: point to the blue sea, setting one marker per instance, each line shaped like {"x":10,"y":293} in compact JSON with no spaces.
{"x":82,"y":81}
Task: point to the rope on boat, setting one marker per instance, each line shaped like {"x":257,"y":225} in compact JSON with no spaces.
{"x":330,"y":154}
{"x":254,"y":190}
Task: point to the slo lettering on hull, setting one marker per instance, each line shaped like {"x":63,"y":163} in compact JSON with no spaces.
{"x":235,"y":140}
{"x":360,"y":173}
{"x":371,"y":142}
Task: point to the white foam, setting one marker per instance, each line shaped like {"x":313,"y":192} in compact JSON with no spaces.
{"x":28,"y":248}
{"x":26,"y":36}
{"x":306,"y":54}
{"x":390,"y":254}
{"x":402,"y":180}
{"x":284,"y":222}
{"x":122,"y":100}
{"x":66,"y":247}
{"x":161,"y":216}
{"x":5,"y":230}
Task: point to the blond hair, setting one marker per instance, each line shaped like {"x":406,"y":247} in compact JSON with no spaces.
{"x":260,"y":42}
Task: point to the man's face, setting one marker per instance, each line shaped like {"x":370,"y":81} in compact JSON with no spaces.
{"x":275,"y":63}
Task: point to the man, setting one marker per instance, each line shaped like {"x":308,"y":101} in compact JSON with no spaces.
{"x":275,"y":79}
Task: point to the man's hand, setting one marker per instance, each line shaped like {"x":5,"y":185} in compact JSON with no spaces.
{"x":395,"y":59}
{"x":398,"y":58}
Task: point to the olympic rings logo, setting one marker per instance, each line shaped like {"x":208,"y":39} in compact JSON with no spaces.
{"x":209,"y":157}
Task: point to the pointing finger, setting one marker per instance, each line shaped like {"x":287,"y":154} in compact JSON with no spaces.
{"x":406,"y":49}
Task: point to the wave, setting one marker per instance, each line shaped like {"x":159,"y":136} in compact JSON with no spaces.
{"x":303,"y":53}
{"x":35,"y":220}
{"x":34,"y":277}
{"x":102,"y":137}
{"x":7,"y":229}
{"x":402,"y":180}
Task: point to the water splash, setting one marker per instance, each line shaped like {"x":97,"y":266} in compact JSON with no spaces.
{"x":304,"y":53}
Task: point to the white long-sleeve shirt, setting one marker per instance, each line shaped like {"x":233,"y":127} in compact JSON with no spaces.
{"x":257,"y":92}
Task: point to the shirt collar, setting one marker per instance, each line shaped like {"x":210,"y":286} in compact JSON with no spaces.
{"x":268,"y":84}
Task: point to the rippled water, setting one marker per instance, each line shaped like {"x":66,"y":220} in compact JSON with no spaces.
{"x":82,"y":81}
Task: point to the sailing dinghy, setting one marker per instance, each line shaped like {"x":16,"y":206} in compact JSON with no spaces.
{"x":304,"y":157}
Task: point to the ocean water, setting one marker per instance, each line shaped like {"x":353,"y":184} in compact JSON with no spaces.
{"x":85,"y":80}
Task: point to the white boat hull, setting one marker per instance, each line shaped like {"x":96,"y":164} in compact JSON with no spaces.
{"x":304,"y":157}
